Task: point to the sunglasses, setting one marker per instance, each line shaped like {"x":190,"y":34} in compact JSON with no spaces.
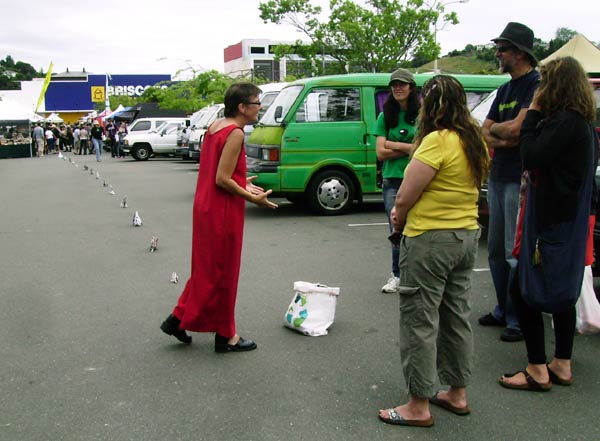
{"x":503,"y":49}
{"x":255,"y":102}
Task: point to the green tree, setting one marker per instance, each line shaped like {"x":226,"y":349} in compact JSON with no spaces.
{"x":123,"y":100}
{"x":376,"y":37}
{"x":206,"y":88}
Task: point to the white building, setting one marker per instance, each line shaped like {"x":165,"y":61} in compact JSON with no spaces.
{"x":256,"y":57}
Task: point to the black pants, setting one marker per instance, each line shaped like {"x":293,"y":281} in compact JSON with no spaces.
{"x":532,"y":326}
{"x":83,"y":147}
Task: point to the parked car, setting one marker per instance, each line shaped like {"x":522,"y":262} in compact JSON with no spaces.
{"x":315,"y":143}
{"x":198,"y":130}
{"x":268,"y":94}
{"x":184,"y":133}
{"x":160,"y":142}
{"x":145,"y":125}
{"x":596,"y":265}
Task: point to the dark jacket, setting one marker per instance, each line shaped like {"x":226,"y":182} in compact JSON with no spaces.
{"x":558,"y":149}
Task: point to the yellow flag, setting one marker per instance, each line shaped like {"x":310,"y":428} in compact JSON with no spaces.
{"x":44,"y":87}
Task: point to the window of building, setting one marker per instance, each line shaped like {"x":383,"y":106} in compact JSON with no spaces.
{"x":257,"y":49}
{"x":264,"y":69}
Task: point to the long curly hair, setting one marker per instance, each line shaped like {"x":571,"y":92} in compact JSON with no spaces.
{"x":564,"y":86}
{"x":445,"y":107}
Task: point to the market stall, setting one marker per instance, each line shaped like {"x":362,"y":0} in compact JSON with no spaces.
{"x":15,"y":130}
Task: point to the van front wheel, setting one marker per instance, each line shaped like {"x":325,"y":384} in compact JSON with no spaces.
{"x":330,"y":192}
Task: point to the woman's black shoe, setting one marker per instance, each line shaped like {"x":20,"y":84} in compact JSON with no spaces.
{"x":242,"y":345}
{"x":171,"y":327}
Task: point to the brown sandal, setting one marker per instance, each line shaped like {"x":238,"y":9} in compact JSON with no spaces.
{"x":531,"y":384}
{"x":555,"y":379}
{"x":448,"y":406}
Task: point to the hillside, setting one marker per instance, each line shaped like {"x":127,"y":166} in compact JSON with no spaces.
{"x":462,"y":64}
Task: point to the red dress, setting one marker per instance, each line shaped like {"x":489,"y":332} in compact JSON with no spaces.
{"x":207,"y":303}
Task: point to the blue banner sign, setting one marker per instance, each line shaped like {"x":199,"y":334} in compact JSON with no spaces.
{"x":79,"y":95}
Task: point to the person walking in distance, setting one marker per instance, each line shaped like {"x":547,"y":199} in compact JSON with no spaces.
{"x":84,"y":137}
{"x":97,"y":133}
{"x":514,"y":51}
{"x":38,"y":137}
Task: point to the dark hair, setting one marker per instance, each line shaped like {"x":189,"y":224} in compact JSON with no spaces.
{"x":237,"y":94}
{"x":391,"y":109}
{"x":445,"y":107}
{"x":564,"y":85}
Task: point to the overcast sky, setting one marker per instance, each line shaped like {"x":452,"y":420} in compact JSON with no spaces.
{"x":153,"y":37}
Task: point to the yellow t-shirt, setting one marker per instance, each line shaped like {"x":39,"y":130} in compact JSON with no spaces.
{"x":450,"y":199}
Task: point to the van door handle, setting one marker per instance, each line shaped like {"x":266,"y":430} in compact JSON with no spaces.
{"x":296,"y":139}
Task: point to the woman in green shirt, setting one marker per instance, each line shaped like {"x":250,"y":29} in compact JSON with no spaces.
{"x":395,"y":131}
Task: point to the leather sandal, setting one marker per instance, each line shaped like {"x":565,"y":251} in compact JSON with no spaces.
{"x":555,"y":379}
{"x":398,"y":420}
{"x":462,"y":411}
{"x":530,"y":385}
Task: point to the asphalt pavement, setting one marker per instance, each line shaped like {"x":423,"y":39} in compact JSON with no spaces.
{"x":82,"y":297}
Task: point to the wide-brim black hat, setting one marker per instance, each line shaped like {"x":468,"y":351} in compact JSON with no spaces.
{"x":519,"y":36}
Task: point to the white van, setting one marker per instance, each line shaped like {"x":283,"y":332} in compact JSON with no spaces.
{"x":268,"y":94}
{"x":159,"y":142}
{"x":198,"y":130}
{"x":145,"y":125}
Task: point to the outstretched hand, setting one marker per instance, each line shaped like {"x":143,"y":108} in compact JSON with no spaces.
{"x":254,"y":189}
{"x":261,"y":196}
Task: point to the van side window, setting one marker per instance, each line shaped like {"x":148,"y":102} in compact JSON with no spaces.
{"x":330,"y":105}
{"x":142,"y":125}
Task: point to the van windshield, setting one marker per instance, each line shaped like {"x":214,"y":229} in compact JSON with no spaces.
{"x":206,"y":118}
{"x":197,"y":117}
{"x":284,"y":101}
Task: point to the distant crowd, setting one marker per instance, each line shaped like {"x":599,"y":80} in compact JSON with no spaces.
{"x":82,"y":139}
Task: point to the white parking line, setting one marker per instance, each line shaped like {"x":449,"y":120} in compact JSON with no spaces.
{"x":480,"y":270}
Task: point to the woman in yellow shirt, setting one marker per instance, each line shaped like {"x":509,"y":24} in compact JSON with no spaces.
{"x":436,"y":211}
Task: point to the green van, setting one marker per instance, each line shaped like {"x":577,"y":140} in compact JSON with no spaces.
{"x":315,"y":143}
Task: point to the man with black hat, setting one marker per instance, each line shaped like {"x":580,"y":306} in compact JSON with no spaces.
{"x":501,"y":131}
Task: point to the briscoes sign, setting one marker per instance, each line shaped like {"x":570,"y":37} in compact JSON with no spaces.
{"x":129,"y":90}
{"x":79,"y":96}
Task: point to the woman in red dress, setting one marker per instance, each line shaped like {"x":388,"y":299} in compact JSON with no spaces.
{"x":207,"y":303}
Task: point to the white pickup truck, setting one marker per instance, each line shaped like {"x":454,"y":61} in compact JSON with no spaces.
{"x":159,"y":142}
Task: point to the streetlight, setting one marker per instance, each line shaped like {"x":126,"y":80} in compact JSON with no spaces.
{"x":435,"y":28}
{"x":190,"y":67}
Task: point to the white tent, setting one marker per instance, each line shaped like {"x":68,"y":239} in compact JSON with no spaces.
{"x":11,"y":110}
{"x":54,"y":118}
{"x":582,"y":50}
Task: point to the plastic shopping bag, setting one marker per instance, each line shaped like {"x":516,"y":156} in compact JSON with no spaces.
{"x":588,"y":308}
{"x":312,"y":309}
